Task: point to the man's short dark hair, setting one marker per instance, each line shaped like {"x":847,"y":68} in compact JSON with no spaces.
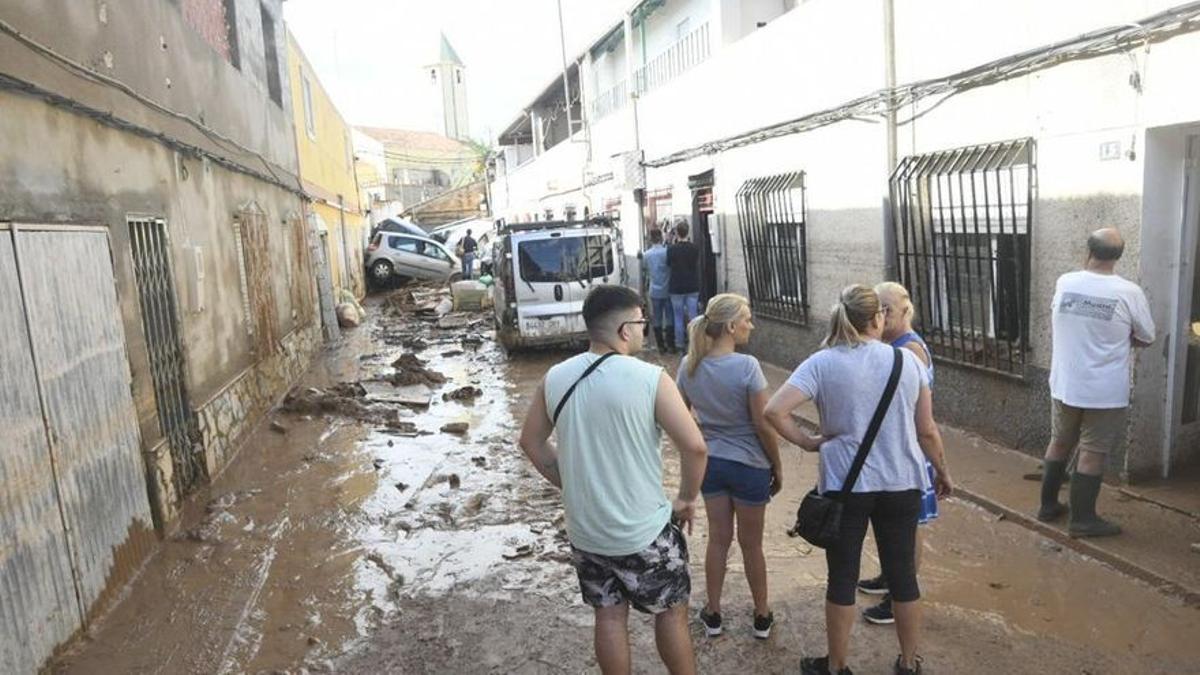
{"x":604,"y":300}
{"x":681,"y":229}
{"x":1105,"y":248}
{"x":656,"y":236}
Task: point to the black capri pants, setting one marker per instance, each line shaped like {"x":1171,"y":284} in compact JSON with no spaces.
{"x":894,"y":517}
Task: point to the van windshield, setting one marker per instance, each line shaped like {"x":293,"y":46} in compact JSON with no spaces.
{"x":565,"y":259}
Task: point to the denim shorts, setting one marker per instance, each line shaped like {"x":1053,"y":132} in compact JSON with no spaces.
{"x":746,"y":484}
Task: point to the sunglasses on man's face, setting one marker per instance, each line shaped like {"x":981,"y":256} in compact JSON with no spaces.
{"x":644,"y":323}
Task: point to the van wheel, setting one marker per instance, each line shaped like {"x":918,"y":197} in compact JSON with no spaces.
{"x":381,"y":271}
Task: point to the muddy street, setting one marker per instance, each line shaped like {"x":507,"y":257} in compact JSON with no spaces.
{"x":383,"y":520}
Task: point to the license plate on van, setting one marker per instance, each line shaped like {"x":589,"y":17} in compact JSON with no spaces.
{"x":537,"y":327}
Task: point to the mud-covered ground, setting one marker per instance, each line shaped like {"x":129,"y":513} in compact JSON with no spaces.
{"x":387,"y":522}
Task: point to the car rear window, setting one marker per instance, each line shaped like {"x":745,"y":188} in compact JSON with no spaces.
{"x":564,"y":259}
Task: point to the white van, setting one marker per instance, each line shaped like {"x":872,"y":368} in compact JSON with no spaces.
{"x":544,"y":270}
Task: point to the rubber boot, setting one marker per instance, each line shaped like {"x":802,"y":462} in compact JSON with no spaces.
{"x":1053,"y":473}
{"x":1085,"y":490}
{"x":658,"y":341}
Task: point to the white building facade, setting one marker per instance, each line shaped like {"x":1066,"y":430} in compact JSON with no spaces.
{"x":963,"y":148}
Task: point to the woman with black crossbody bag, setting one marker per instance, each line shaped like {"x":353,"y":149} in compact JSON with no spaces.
{"x":877,"y":429}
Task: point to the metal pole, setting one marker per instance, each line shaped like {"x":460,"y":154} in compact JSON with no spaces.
{"x":562,"y":40}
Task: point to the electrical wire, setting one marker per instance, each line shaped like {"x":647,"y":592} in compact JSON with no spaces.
{"x":81,"y":70}
{"x":1102,"y":42}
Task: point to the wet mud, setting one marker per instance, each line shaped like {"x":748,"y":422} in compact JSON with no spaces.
{"x":389,"y":523}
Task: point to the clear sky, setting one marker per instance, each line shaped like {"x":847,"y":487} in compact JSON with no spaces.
{"x":369,"y":54}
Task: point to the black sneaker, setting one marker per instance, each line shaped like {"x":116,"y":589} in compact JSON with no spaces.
{"x":880,"y":614}
{"x":899,"y":668}
{"x":819,"y":665}
{"x":875,"y":586}
{"x":763,"y":625}
{"x":711,"y":621}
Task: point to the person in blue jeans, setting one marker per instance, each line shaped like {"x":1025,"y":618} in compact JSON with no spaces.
{"x":661,"y":318}
{"x":898,"y":331}
{"x":469,"y":248}
{"x":683,"y":258}
{"x":728,"y":393}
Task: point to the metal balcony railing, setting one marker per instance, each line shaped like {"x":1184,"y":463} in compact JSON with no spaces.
{"x":610,"y":100}
{"x":691,"y":50}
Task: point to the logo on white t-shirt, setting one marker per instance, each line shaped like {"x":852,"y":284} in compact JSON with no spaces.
{"x":1088,"y":306}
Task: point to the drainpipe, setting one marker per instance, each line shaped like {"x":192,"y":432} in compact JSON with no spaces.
{"x":891,"y":270}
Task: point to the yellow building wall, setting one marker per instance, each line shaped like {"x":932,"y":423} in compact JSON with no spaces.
{"x":325,"y":151}
{"x":344,"y":247}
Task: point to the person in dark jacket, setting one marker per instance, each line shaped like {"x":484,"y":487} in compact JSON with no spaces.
{"x":683,"y":258}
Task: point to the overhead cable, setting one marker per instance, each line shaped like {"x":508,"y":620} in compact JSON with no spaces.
{"x":1156,"y":28}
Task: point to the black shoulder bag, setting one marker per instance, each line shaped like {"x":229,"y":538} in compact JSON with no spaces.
{"x":819,"y":518}
{"x":563,"y":401}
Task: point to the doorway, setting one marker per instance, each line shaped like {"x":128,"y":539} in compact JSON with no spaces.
{"x":701,"y":186}
{"x":1184,"y":367}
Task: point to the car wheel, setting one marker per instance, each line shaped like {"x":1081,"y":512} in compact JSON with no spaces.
{"x":381,"y":271}
{"x":457,"y":276}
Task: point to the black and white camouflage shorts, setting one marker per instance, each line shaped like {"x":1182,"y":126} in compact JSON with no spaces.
{"x":652,"y":580}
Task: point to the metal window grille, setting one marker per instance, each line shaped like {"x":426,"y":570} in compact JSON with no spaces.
{"x":771,"y":216}
{"x":963,"y":220}
{"x":150,"y":250}
{"x":258,"y":292}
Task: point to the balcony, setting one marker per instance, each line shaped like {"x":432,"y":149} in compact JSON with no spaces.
{"x":610,"y":100}
{"x":691,"y":50}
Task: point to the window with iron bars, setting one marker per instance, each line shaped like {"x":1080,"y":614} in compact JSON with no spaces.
{"x":771,"y":216}
{"x":963,"y":220}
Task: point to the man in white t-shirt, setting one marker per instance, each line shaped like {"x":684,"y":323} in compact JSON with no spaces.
{"x":1098,"y":317}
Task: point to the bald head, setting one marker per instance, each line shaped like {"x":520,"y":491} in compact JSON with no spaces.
{"x":1106,"y":245}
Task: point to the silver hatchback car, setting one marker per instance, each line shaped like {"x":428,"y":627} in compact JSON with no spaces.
{"x":396,"y":256}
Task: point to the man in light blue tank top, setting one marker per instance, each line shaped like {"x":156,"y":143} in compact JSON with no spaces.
{"x":606,"y":408}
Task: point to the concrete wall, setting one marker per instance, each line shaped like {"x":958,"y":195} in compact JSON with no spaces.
{"x":61,"y":166}
{"x":1070,"y":110}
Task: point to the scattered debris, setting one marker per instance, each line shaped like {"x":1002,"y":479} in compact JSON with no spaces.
{"x":409,"y":396}
{"x":402,"y":486}
{"x":1050,"y":546}
{"x":454,"y":481}
{"x":414,"y":343}
{"x":475,"y":503}
{"x":278,"y":427}
{"x":411,"y":370}
{"x":1196,"y":547}
{"x":522,"y":551}
{"x":459,"y":428}
{"x":379,"y":462}
{"x":345,"y":400}
{"x":451,"y":353}
{"x":349,"y":315}
{"x":472,"y":340}
{"x":998,"y":585}
{"x":454,"y":321}
{"x":480,"y":462}
{"x":467,"y":393}
{"x":385,"y":566}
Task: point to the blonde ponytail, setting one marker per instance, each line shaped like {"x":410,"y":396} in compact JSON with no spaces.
{"x":851,"y":316}
{"x":703,"y":331}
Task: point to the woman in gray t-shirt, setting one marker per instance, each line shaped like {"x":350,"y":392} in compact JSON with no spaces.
{"x":846,"y":380}
{"x":728,"y":393}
